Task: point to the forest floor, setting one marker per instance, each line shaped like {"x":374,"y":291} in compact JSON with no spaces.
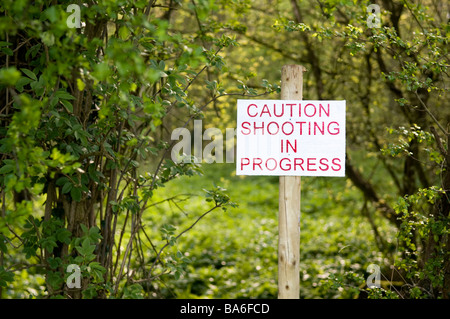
{"x":233,"y":253}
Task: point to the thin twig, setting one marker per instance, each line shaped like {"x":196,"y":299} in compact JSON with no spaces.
{"x":431,"y":114}
{"x":438,"y":141}
{"x":179,"y":235}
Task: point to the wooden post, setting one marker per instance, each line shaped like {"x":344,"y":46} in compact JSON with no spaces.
{"x":289,"y":203}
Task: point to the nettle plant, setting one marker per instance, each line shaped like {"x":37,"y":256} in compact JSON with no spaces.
{"x":82,"y":110}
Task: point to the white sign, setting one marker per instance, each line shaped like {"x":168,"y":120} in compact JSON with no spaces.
{"x":290,"y":138}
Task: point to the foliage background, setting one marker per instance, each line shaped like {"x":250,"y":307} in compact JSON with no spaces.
{"x":86,"y":176}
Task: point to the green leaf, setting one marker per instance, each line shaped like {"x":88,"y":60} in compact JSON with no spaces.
{"x":63,"y":235}
{"x":22,"y":82}
{"x":51,"y":14}
{"x":124,"y":33}
{"x":67,"y":187}
{"x":9,"y":76}
{"x":75,"y":192}
{"x":97,"y":271}
{"x":54,"y":262}
{"x":84,"y":229}
{"x":7,"y":169}
{"x":64,"y":95}
{"x":87,"y":247}
{"x":54,"y":279}
{"x":93,"y":173}
{"x":30,"y":74}
{"x":5,"y":276}
{"x":49,"y":243}
{"x":94,"y":234}
{"x":97,"y":265}
{"x":67,"y":105}
{"x":3,"y":247}
{"x":80,"y":84}
{"x":48,"y":38}
{"x":33,"y":51}
{"x":7,"y":51}
{"x":90,"y":292}
{"x":62,"y":180}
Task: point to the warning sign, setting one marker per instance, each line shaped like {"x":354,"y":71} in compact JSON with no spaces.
{"x":290,"y":138}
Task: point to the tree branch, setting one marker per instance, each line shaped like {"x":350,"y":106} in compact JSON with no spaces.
{"x":369,"y":192}
{"x":431,"y":114}
{"x":158,"y":256}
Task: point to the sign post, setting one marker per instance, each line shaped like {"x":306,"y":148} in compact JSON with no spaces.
{"x":290,"y":138}
{"x":289,"y":203}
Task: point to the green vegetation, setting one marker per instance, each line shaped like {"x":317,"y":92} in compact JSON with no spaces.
{"x":87,"y":180}
{"x":233,"y":254}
